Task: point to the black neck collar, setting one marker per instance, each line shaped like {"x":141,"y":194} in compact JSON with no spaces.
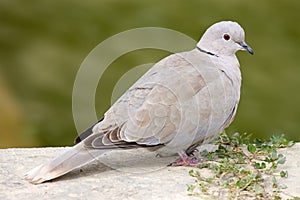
{"x":207,"y":52}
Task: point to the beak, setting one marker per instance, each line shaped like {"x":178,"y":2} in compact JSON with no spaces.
{"x":246,"y":47}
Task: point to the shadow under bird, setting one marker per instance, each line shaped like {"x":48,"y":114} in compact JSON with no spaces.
{"x":184,"y":100}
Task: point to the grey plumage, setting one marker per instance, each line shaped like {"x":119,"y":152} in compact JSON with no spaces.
{"x":183,"y":100}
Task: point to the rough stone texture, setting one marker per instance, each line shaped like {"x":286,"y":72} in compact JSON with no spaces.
{"x":136,"y":177}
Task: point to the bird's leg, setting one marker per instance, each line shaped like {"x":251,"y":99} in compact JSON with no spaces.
{"x":186,"y":160}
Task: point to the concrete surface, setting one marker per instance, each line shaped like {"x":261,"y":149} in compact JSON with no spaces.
{"x":136,"y":176}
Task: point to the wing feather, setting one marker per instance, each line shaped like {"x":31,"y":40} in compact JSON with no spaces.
{"x":150,"y":112}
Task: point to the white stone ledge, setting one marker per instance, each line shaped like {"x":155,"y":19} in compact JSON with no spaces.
{"x":97,"y":181}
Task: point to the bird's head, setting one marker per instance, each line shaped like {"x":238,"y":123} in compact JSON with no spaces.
{"x":224,"y":38}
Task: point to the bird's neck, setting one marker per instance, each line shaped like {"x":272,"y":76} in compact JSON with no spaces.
{"x":207,"y":52}
{"x":206,"y":47}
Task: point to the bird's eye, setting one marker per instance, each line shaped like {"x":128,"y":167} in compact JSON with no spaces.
{"x":226,"y":37}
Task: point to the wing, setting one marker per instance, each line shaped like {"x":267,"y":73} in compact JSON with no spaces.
{"x":151,"y":111}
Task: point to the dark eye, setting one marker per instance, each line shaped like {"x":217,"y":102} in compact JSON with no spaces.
{"x":226,"y":37}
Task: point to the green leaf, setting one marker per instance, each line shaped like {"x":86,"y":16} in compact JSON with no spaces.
{"x":283,"y":174}
{"x":281,"y":160}
{"x":290,"y":143}
{"x":191,"y":188}
{"x":261,"y":165}
{"x":258,"y":142}
{"x":209,"y":180}
{"x":251,"y":148}
{"x":239,"y":184}
{"x":274,"y":165}
{"x":257,"y":165}
{"x":257,"y":188}
{"x":274,"y":155}
{"x":203,"y":165}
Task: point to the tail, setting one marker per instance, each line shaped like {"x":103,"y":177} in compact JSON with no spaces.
{"x":73,"y":158}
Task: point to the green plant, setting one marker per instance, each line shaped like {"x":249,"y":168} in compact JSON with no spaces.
{"x":241,"y":168}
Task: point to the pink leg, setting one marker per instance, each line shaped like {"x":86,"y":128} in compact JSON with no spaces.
{"x":185,"y":160}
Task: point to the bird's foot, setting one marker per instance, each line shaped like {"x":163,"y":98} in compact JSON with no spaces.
{"x":186,"y":161}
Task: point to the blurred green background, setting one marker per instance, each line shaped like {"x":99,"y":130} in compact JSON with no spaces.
{"x":43,"y":43}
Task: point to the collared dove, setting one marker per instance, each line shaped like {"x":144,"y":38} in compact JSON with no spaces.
{"x":182,"y":101}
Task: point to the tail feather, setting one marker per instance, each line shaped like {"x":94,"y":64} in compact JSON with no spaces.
{"x":71,"y":159}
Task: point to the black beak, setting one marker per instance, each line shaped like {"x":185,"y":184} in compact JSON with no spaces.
{"x":246,"y":47}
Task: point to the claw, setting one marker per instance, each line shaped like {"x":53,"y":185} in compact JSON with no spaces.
{"x":186,"y":161}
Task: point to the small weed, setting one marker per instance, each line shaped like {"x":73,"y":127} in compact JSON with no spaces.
{"x":240,"y":167}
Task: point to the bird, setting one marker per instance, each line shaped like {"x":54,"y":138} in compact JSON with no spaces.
{"x":182,"y":101}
